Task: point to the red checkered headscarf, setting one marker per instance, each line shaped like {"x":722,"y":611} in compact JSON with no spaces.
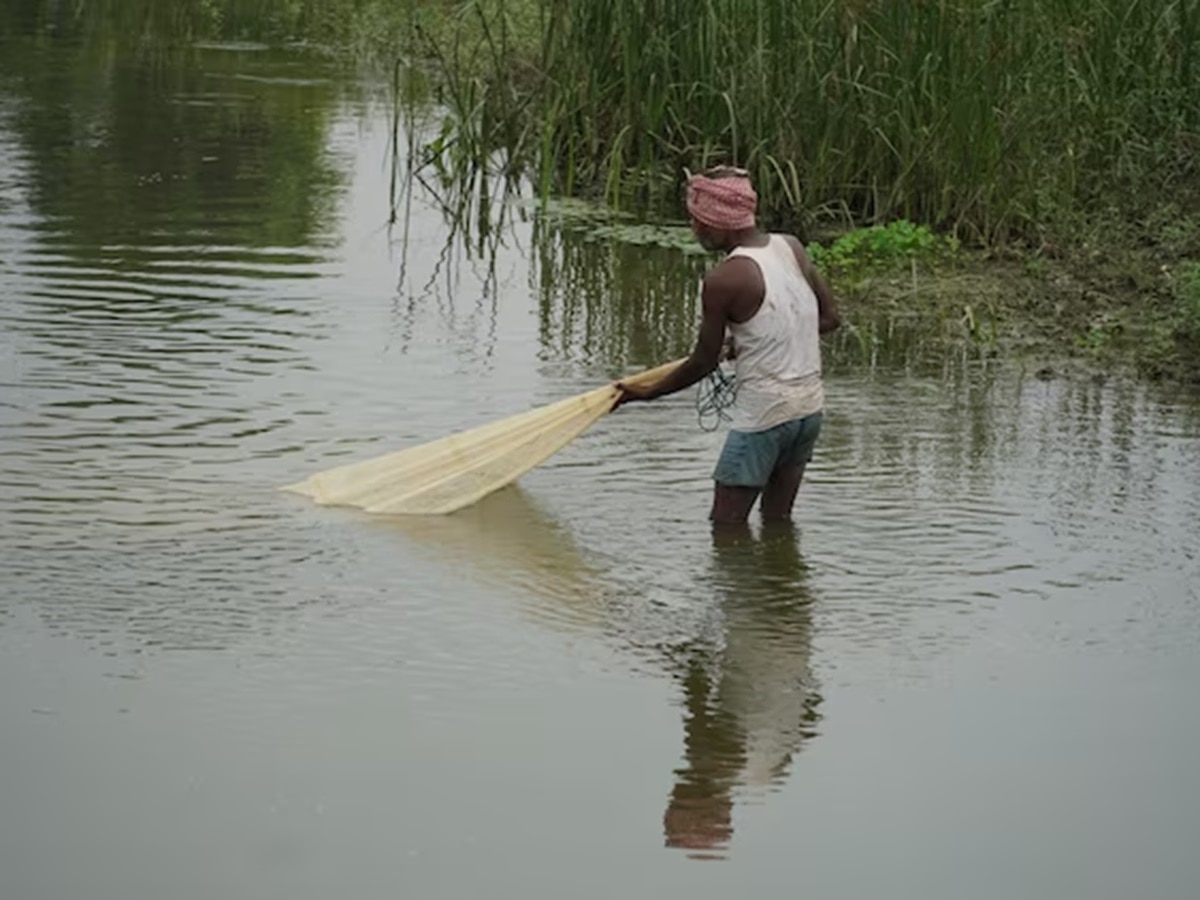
{"x":727,"y":203}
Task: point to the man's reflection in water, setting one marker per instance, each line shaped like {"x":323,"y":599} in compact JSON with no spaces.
{"x":751,"y":701}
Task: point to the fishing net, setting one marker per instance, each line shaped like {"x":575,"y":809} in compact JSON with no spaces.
{"x":456,"y":471}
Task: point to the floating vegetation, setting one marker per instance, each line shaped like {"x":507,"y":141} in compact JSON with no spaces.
{"x":571,"y":212}
{"x":674,"y":237}
{"x":597,"y":222}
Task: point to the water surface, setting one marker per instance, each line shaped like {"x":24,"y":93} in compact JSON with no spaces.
{"x":966,"y":673}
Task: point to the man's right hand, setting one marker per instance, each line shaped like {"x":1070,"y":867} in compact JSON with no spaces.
{"x":628,"y":393}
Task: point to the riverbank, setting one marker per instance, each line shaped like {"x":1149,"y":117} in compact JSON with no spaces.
{"x":1120,"y":304}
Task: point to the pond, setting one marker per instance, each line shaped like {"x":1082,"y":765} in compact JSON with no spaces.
{"x":967,"y":671}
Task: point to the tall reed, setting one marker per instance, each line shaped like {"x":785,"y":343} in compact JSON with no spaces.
{"x":977,"y":116}
{"x":985,"y":117}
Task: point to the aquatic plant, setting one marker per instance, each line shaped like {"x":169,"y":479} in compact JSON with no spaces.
{"x":984,"y":119}
{"x":1187,"y":296}
{"x":880,"y":247}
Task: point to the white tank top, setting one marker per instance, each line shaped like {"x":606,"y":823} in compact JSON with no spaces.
{"x":778,"y":362}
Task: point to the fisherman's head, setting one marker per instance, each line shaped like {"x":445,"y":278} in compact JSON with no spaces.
{"x":721,"y":203}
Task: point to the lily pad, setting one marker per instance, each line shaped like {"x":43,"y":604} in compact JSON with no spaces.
{"x":597,"y":222}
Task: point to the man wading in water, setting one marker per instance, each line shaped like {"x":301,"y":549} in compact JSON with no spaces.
{"x":775,"y":306}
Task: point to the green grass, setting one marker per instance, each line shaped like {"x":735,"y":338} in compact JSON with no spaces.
{"x":880,"y":246}
{"x":991,"y":120}
{"x":1187,"y":303}
{"x":1066,"y":130}
{"x":977,"y":118}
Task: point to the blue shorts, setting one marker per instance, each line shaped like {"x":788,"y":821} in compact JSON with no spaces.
{"x":749,"y":457}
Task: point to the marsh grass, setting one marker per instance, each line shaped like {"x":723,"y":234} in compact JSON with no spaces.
{"x":1050,"y":126}
{"x":1188,"y":297}
{"x":1033,"y":124}
{"x":988,"y":119}
{"x":983,"y":119}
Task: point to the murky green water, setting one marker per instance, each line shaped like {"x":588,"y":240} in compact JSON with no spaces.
{"x":969,"y":672}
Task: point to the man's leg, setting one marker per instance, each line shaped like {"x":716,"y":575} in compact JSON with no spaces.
{"x":732,"y":503}
{"x":779,"y":496}
{"x":742,"y":469}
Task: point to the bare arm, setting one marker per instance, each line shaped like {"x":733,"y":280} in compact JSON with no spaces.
{"x":720,"y":287}
{"x":828,"y":316}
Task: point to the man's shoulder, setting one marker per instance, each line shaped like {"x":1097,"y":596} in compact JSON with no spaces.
{"x":735,"y":287}
{"x":734,"y":272}
{"x":797,"y":247}
{"x":792,"y":241}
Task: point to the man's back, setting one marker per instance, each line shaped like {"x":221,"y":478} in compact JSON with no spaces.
{"x":778,"y":351}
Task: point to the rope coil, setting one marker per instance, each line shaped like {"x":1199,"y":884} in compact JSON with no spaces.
{"x":716,"y":393}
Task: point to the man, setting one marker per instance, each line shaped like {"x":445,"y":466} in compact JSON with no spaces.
{"x":774,"y":304}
